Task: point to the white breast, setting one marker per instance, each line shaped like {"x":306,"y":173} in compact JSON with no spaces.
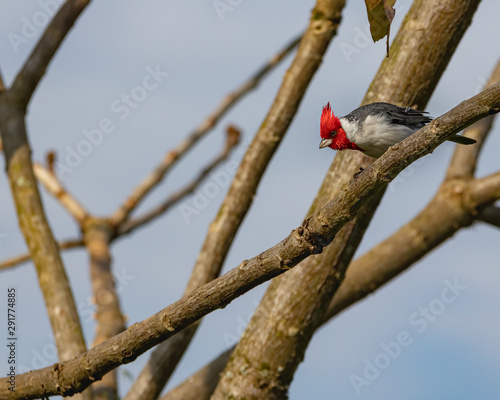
{"x":376,"y":134}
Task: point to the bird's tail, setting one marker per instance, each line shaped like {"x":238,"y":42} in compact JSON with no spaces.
{"x":461,"y":140}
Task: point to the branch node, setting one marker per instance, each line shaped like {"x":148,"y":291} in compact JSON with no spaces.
{"x":243,"y":265}
{"x":285,"y":263}
{"x":167,"y":323}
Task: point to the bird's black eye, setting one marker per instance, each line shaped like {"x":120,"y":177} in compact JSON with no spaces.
{"x":333,"y":133}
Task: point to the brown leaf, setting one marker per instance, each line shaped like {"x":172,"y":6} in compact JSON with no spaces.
{"x":380,"y":16}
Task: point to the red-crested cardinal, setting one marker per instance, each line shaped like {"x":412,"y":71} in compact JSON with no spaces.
{"x":373,"y":128}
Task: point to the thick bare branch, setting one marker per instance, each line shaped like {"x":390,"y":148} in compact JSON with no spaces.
{"x":165,"y":358}
{"x":464,"y":160}
{"x":141,"y":191}
{"x":200,"y":385}
{"x":487,"y":188}
{"x":322,"y":27}
{"x":491,"y":215}
{"x":232,"y":140}
{"x":52,"y":277}
{"x":310,"y":238}
{"x":110,"y":320}
{"x":43,"y":248}
{"x":2,"y":86}
{"x":34,"y":68}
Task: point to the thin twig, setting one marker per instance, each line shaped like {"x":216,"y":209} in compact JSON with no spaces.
{"x":231,"y":142}
{"x":176,"y":154}
{"x":52,"y":184}
{"x":64,"y":245}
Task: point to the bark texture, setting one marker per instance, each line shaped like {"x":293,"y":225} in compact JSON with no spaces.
{"x":109,"y":318}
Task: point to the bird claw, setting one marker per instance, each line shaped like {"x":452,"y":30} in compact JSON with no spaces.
{"x":355,"y":176}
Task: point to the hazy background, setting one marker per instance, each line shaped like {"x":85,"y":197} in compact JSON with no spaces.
{"x":106,"y":55}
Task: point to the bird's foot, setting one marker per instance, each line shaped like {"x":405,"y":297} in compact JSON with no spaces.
{"x":357,"y":173}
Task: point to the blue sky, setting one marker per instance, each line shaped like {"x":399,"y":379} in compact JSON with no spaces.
{"x":108,"y":54}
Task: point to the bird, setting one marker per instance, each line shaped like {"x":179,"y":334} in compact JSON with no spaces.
{"x":373,"y":128}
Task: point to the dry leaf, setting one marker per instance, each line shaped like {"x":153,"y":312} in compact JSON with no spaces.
{"x":380,"y":16}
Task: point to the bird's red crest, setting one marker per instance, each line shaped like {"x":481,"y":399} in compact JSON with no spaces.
{"x":329,"y":122}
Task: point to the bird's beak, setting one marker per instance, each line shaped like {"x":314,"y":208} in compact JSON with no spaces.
{"x":325,"y":143}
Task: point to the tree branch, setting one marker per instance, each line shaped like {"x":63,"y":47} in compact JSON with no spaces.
{"x":487,"y":188}
{"x":171,"y":158}
{"x":491,"y":215}
{"x":54,"y":187}
{"x":52,"y":184}
{"x":200,"y":385}
{"x":34,"y":68}
{"x":2,"y":86}
{"x":322,"y":28}
{"x":232,"y":140}
{"x":13,"y":261}
{"x":110,"y":320}
{"x":464,"y":160}
{"x":52,"y":277}
{"x":311,"y":237}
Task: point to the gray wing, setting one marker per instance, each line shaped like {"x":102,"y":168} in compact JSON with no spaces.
{"x":396,"y":115}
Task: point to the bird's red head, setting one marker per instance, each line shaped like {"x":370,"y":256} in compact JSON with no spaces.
{"x":332,"y":133}
{"x":329,"y":124}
